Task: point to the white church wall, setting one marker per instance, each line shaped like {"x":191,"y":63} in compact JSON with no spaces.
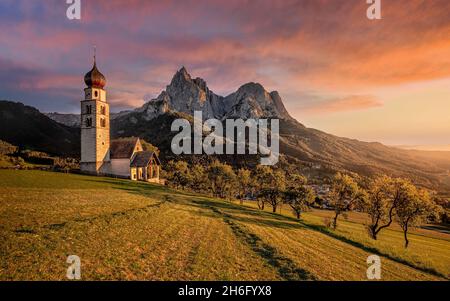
{"x":120,"y":167}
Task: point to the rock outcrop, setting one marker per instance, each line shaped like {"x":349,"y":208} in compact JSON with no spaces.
{"x":186,"y":95}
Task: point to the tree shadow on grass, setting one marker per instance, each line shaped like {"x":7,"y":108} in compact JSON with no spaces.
{"x":259,"y":217}
{"x":239,"y":209}
{"x":281,"y":221}
{"x":143,"y":188}
{"x":251,"y":216}
{"x":286,"y":268}
{"x":127,"y":184}
{"x":90,"y":219}
{"x":372,"y":250}
{"x":439,"y":228}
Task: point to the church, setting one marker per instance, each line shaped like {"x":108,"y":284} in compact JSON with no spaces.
{"x":122,"y":158}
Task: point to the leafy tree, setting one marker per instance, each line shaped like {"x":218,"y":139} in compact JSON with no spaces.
{"x":272,"y":196}
{"x":199,"y":179}
{"x":146,"y":146}
{"x":65,"y":164}
{"x":445,"y":205}
{"x":244,"y":183}
{"x":271,"y":186}
{"x":261,"y":173}
{"x":298,"y":196}
{"x":178,"y":174}
{"x":380,"y":205}
{"x":223,"y":179}
{"x":7,"y":148}
{"x":345,"y":195}
{"x":296,"y":180}
{"x":413,"y":208}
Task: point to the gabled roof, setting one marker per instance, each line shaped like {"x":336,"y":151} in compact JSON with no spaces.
{"x":142,"y":159}
{"x":123,"y":148}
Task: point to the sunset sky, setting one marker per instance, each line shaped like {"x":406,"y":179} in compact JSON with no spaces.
{"x":384,"y":80}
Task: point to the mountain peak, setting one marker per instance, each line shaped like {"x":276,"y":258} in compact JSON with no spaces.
{"x":254,"y":101}
{"x":253,"y":85}
{"x":184,"y":71}
{"x":182,"y":75}
{"x":186,"y":94}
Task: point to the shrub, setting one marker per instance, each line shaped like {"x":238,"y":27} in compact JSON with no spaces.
{"x":6,"y":148}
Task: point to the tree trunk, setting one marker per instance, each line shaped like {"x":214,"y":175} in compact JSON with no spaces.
{"x":374,"y":235}
{"x":335,"y":221}
{"x":298,"y":215}
{"x":274,"y":208}
{"x":260,"y":205}
{"x":373,"y":232}
{"x":405,"y":234}
{"x":376,"y":231}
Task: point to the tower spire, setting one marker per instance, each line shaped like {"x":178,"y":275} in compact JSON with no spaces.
{"x":95,"y":54}
{"x":95,"y":78}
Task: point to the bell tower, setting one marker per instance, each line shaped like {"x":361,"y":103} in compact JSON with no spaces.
{"x":95,"y":140}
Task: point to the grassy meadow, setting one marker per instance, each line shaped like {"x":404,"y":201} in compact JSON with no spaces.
{"x":136,"y":231}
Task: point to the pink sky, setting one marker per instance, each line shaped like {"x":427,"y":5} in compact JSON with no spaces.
{"x":385,"y":80}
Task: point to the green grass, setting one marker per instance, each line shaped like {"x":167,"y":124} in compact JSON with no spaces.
{"x":429,"y":250}
{"x":136,"y":231}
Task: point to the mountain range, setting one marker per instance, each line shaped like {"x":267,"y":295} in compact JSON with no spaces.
{"x":186,"y":95}
{"x":314,"y":152}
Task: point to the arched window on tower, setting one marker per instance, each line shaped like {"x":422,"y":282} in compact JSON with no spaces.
{"x":88,"y":122}
{"x":88,"y":109}
{"x":96,"y":94}
{"x":103,"y":122}
{"x":103,"y":110}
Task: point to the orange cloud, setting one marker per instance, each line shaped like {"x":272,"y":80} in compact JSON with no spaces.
{"x":347,"y":103}
{"x":327,"y":47}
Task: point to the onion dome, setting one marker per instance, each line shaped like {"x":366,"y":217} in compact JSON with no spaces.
{"x":94,"y":78}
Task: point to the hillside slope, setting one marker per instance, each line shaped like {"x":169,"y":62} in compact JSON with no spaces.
{"x":26,"y":127}
{"x":136,"y":231}
{"x":431,"y":169}
{"x":313,"y":151}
